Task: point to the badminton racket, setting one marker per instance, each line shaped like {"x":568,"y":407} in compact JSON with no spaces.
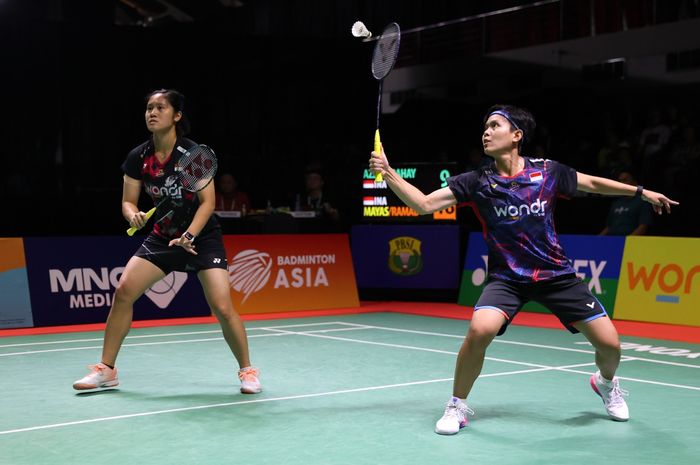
{"x":196,"y":169}
{"x":386,"y":50}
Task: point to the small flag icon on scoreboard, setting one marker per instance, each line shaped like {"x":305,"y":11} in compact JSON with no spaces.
{"x":374,"y":201}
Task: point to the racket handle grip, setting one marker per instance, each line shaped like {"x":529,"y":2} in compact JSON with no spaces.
{"x":377,"y":149}
{"x":149,"y":213}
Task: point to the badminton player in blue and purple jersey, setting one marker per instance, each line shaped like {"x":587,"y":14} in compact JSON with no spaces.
{"x":514,"y":197}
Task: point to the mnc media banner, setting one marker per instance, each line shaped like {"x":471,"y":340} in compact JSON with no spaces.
{"x":15,"y":306}
{"x":72,"y":281}
{"x":283,"y":272}
{"x":660,"y":281}
{"x":596,"y":259}
{"x":406,"y":257}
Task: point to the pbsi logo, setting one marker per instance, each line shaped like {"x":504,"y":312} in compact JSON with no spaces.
{"x":580,"y":266}
{"x":670,"y":278}
{"x":405,"y":256}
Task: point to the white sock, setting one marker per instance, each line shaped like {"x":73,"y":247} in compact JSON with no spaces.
{"x":457,"y":400}
{"x":605,"y":381}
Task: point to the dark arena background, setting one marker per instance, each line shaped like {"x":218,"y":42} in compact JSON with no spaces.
{"x":355,"y":305}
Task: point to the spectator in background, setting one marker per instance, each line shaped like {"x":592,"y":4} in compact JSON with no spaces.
{"x":683,"y":161}
{"x":653,"y":141}
{"x":315,"y":198}
{"x":628,"y":216}
{"x":228,"y":197}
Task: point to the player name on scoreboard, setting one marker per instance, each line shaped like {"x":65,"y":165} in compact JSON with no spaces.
{"x":379,"y":202}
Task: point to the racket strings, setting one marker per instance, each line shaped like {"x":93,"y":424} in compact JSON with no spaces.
{"x":197,"y":168}
{"x":386,"y":51}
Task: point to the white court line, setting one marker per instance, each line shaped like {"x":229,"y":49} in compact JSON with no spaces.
{"x":272,"y":399}
{"x":400,"y":346}
{"x":184,"y":341}
{"x":184,"y":333}
{"x":528,"y":344}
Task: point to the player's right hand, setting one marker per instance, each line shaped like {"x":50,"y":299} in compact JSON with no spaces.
{"x":378,"y":162}
{"x":138,"y":220}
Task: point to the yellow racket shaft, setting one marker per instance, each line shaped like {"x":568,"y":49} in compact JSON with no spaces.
{"x":378,"y":150}
{"x":149,"y":213}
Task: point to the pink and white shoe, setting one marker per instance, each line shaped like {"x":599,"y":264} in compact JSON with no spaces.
{"x":612,"y":395}
{"x":101,"y":376}
{"x":454,"y":418}
{"x":250,"y":384}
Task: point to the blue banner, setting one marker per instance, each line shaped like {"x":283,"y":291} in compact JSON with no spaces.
{"x":72,"y":281}
{"x":416,"y":257}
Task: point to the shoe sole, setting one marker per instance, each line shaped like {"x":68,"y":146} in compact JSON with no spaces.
{"x":595,"y":389}
{"x":251,"y":391}
{"x":85,"y":387}
{"x":450,"y":433}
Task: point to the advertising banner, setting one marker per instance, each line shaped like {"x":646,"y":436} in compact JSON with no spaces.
{"x":660,"y":281}
{"x":15,"y":306}
{"x":283,"y":272}
{"x":72,"y":281}
{"x":596,"y":260}
{"x":407,"y":256}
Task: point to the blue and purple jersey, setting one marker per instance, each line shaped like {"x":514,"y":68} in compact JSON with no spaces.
{"x":517,"y":213}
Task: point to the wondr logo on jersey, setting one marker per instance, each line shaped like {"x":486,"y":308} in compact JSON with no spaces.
{"x":536,"y":208}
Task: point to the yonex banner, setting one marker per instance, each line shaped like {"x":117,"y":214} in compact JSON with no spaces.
{"x":72,"y":281}
{"x":660,"y":280}
{"x":290,"y":272}
{"x":15,"y":306}
{"x":406,"y":257}
{"x":596,"y":259}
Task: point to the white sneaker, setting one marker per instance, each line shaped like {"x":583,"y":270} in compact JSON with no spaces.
{"x":612,"y":396}
{"x":250,"y":384}
{"x":454,"y":418}
{"x":100,"y":376}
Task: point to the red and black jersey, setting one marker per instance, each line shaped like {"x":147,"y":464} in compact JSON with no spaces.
{"x":176,"y":206}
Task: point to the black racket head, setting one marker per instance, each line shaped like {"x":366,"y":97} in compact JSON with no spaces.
{"x":197,"y":167}
{"x":386,"y":50}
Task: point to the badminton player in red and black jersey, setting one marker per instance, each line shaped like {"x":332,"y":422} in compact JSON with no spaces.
{"x":186,"y":237}
{"x":514,"y":197}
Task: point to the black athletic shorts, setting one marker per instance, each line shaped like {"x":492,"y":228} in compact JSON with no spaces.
{"x":209,"y":247}
{"x":567,"y":297}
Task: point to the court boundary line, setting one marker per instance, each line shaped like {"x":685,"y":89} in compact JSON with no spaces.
{"x":270,"y":399}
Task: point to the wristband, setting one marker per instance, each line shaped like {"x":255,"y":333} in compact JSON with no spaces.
{"x":639,"y":191}
{"x":188,"y":235}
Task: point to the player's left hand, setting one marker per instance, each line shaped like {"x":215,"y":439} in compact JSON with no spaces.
{"x":185,"y":243}
{"x":659,"y":202}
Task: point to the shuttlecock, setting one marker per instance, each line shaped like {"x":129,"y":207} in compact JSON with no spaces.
{"x":360,"y":30}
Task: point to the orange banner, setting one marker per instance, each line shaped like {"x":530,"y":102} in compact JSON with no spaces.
{"x":283,"y":272}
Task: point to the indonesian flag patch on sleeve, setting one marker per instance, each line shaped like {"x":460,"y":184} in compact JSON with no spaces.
{"x":536,"y":176}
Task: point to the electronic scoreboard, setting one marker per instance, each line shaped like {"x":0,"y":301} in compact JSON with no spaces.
{"x":380,"y":204}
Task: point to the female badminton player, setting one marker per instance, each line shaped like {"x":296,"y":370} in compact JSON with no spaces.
{"x":185,"y":238}
{"x":514,"y":198}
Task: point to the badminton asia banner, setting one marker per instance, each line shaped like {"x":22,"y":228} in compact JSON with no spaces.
{"x":72,"y":281}
{"x":406,"y":257}
{"x":596,"y":260}
{"x":15,"y":306}
{"x":285,"y":272}
{"x":660,"y":280}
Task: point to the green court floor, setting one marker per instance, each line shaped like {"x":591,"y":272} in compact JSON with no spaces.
{"x":355,"y":389}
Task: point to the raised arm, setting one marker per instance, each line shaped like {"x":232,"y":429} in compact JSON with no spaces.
{"x":407,"y":192}
{"x":605,"y":186}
